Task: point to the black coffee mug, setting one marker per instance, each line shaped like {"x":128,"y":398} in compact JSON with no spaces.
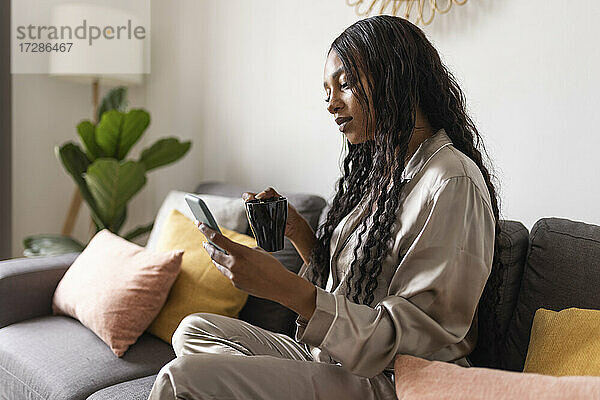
{"x":267,"y":218}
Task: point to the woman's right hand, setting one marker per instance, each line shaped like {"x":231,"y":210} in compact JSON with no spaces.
{"x":295,"y":225}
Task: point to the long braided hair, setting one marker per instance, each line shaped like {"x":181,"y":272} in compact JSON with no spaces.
{"x":403,"y":71}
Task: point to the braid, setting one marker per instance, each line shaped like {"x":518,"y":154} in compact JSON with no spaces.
{"x":355,"y":169}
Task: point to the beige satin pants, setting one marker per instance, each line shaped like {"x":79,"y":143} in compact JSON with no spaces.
{"x":222,"y":358}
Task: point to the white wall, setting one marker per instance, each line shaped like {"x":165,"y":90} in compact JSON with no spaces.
{"x":531,"y":73}
{"x":243,"y":80}
{"x":248,"y":76}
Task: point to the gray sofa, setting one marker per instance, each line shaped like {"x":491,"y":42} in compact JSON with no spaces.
{"x":53,"y":357}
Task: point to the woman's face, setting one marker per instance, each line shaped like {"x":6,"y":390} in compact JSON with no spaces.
{"x":343,"y":104}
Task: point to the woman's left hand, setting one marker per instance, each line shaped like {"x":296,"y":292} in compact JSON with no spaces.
{"x":252,"y":270}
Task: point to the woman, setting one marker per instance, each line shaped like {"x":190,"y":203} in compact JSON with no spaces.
{"x":415,"y":196}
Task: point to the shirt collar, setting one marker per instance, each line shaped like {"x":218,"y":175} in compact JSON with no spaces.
{"x":424,"y":152}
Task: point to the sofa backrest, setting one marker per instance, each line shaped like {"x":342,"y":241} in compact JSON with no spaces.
{"x":562,"y":271}
{"x":499,"y":298}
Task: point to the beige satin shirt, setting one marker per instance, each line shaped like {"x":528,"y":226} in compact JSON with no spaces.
{"x":432,"y":278}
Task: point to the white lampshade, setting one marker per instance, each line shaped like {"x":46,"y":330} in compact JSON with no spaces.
{"x":113,"y":62}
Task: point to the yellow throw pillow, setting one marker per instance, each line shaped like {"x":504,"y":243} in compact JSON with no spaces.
{"x":200,"y":287}
{"x":566,"y":342}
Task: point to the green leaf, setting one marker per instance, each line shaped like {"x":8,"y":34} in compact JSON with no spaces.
{"x":136,"y":122}
{"x":116,"y":99}
{"x":76,"y":164}
{"x":50,"y":244}
{"x":73,"y":159}
{"x":112,"y":184}
{"x":163,"y":152}
{"x":138,"y":231}
{"x":117,"y":132}
{"x":108,"y":132}
{"x":87,"y":133}
{"x":119,"y":221}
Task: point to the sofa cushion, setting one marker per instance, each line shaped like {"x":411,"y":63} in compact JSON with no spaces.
{"x":116,"y":288}
{"x":229,"y":213}
{"x":136,"y":389}
{"x":57,"y":358}
{"x":562,"y":271}
{"x":200,"y":287}
{"x":564,"y":343}
{"x":421,"y":379}
{"x":514,"y":242}
{"x":493,"y":321}
{"x":261,"y":312}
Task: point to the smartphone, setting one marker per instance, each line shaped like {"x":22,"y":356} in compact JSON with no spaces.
{"x":203,"y":214}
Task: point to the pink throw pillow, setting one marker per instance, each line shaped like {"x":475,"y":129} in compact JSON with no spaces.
{"x":417,"y":378}
{"x":116,"y":288}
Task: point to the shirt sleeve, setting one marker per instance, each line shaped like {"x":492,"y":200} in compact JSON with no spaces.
{"x":432,"y":297}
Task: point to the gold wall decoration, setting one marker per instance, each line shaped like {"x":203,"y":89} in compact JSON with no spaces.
{"x":420,"y":11}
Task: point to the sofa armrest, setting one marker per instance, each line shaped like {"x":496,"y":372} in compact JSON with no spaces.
{"x":28,"y":284}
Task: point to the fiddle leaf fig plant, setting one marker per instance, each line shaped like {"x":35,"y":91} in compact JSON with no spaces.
{"x":106,"y":179}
